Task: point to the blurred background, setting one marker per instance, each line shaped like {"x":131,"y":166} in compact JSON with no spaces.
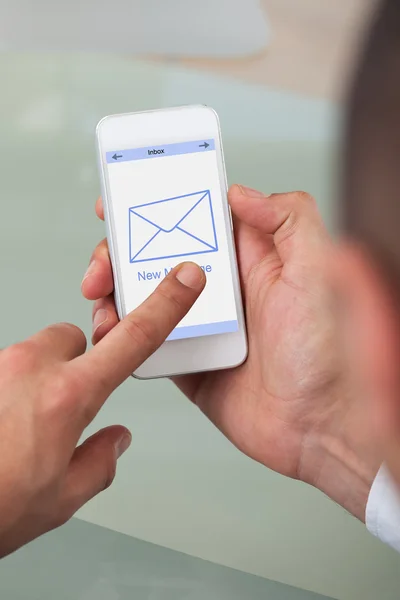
{"x":277,"y":73}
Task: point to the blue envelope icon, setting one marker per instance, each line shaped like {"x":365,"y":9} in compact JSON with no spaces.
{"x":171,"y":228}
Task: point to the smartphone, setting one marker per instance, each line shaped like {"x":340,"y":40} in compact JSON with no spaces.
{"x":165,"y":200}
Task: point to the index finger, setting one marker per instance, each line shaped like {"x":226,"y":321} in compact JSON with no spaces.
{"x":140,"y":334}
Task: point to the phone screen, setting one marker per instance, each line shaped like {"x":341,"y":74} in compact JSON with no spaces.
{"x":166,"y":208}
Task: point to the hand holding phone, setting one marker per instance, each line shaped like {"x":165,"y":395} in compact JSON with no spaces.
{"x":290,"y":394}
{"x":45,"y":476}
{"x":165,"y":200}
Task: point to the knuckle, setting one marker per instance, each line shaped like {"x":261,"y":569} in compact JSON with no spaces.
{"x":22,"y":357}
{"x":167,"y":294}
{"x":71,"y":328}
{"x":304,"y":198}
{"x":141,"y":331}
{"x":300,"y":205}
{"x":73,"y":331}
{"x":62,"y":393}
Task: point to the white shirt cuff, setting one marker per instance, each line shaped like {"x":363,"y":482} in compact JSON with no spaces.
{"x":383,"y":509}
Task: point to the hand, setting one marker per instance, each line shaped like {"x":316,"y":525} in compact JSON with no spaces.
{"x":49,"y":393}
{"x":289,"y":406}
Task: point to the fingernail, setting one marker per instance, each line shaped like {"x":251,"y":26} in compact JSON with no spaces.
{"x":123,"y":444}
{"x":99,"y":318}
{"x":252,"y":193}
{"x":190,"y":275}
{"x":90,"y":270}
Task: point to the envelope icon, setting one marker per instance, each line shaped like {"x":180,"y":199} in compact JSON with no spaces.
{"x":171,"y":228}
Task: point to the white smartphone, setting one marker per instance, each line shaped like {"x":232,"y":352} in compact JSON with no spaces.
{"x":165,"y":202}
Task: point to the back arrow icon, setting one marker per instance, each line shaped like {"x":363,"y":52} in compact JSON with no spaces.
{"x":205,"y":145}
{"x":117,"y":156}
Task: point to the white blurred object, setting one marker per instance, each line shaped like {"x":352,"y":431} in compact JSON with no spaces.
{"x":189,"y":28}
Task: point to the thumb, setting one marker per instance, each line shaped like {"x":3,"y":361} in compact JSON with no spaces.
{"x":92,"y":468}
{"x":292,"y":219}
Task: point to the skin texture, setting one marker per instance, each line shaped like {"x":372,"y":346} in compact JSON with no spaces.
{"x":289,"y":406}
{"x":50,"y":392}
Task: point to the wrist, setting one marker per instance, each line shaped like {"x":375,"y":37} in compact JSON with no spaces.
{"x":340,"y":459}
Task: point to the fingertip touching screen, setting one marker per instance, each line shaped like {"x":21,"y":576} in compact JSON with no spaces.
{"x":166,"y":207}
